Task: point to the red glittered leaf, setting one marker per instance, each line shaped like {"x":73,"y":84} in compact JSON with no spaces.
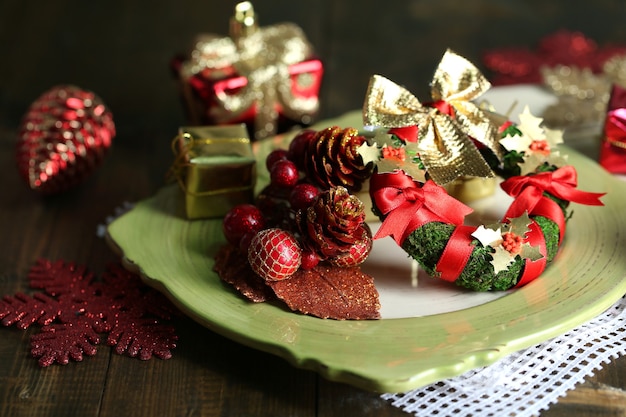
{"x":23,"y":310}
{"x":233,"y":268}
{"x":59,"y":342}
{"x":330,"y":292}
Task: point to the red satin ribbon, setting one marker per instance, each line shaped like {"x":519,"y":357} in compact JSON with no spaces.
{"x":443,"y":106}
{"x":407,"y":134}
{"x":528,"y":192}
{"x":456,"y":254}
{"x":407,"y":206}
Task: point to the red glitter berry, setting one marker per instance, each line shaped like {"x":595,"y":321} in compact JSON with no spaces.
{"x":240,"y":220}
{"x":303,"y":195}
{"x":298,"y":145}
{"x":274,"y":254}
{"x":512,"y":243}
{"x":275,"y":156}
{"x":284,"y":173}
{"x":540,"y":146}
{"x":310,"y":259}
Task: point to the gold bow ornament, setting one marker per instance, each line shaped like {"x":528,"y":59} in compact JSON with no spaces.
{"x":215,"y":168}
{"x":261,"y":76}
{"x":446,"y":127}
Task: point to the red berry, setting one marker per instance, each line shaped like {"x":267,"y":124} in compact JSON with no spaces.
{"x":275,"y":156}
{"x":357,"y":255}
{"x":303,"y":195}
{"x":298,"y":145}
{"x":244,"y":242}
{"x":274,"y":254}
{"x":284,"y":173}
{"x":242,"y":219}
{"x":310,"y":259}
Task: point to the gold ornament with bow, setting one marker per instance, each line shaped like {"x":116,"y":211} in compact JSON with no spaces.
{"x":263,"y":59}
{"x":446,"y":126}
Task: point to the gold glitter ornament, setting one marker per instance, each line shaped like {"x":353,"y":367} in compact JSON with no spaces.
{"x":446,"y":126}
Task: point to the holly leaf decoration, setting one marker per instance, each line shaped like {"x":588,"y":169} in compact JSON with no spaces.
{"x":487,"y":236}
{"x":519,"y":225}
{"x":531,"y":125}
{"x":553,"y":136}
{"x":534,"y":160}
{"x":530,"y":252}
{"x":501,"y":259}
{"x":518,"y":143}
{"x":75,"y":310}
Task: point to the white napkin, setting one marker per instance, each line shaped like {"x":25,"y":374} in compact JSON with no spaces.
{"x":526,"y":382}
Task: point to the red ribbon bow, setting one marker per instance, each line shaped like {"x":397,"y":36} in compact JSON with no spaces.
{"x":407,"y":205}
{"x":528,"y":192}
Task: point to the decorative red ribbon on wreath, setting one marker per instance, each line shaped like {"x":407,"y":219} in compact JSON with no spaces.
{"x":407,"y":206}
{"x":529,"y":195}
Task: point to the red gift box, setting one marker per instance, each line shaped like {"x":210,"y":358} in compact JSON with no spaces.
{"x":267,"y":78}
{"x":613,"y":148}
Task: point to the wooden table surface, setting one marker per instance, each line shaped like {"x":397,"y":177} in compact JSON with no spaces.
{"x":121,"y":50}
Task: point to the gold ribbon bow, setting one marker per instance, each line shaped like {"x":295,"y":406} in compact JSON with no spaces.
{"x":263,"y":56}
{"x":444,"y":140}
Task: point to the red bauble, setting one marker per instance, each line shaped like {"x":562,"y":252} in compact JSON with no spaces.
{"x":63,"y":138}
{"x":275,"y":156}
{"x":241,"y":220}
{"x":284,"y":173}
{"x":274,"y":254}
{"x":298,"y":145}
{"x":303,"y":195}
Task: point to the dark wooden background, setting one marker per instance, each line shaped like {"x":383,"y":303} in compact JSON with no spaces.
{"x":121,"y":49}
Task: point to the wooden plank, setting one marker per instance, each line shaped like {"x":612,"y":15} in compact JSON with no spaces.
{"x":209,"y":376}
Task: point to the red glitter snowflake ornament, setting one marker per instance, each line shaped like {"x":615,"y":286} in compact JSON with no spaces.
{"x":74,"y":311}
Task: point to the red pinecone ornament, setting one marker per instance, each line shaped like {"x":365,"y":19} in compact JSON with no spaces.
{"x":333,"y":223}
{"x":63,"y":138}
{"x":330,"y":158}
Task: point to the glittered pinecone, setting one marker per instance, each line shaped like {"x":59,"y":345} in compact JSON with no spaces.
{"x":333,"y":223}
{"x":330,"y":158}
{"x":63,"y":138}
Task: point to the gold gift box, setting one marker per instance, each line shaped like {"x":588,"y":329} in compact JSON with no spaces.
{"x":215,"y":168}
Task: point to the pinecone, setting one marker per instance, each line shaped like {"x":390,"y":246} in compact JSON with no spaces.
{"x":64,"y":136}
{"x":330,"y":158}
{"x":333,"y":224}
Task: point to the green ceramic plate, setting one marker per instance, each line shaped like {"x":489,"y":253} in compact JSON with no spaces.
{"x":392,"y":354}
